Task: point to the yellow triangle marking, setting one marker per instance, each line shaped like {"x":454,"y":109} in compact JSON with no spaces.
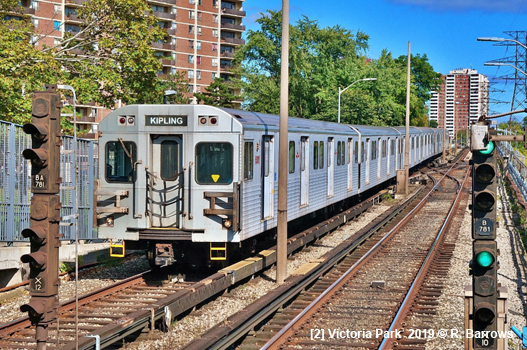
{"x":215,"y":178}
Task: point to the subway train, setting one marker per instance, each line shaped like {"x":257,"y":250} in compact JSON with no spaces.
{"x":196,"y":183}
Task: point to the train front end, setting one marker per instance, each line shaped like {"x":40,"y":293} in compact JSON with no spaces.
{"x":169,"y":181}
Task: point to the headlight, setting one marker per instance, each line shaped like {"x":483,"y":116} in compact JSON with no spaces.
{"x":227,"y":223}
{"x":109,"y":221}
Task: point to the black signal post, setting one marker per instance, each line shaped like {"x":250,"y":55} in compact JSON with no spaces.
{"x":45,"y":216}
{"x":484,"y":259}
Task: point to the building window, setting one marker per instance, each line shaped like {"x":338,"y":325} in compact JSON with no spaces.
{"x":214,"y":47}
{"x":56,"y":8}
{"x":191,"y":14}
{"x":198,"y":61}
{"x":190,"y":58}
{"x":56,"y":25}
{"x":213,"y":75}
{"x":198,"y":74}
{"x":190,"y":74}
{"x":215,"y":18}
{"x":34,"y":4}
{"x":190,"y":29}
{"x":214,"y":62}
{"x":191,"y":44}
{"x":198,"y":45}
{"x":215,"y":33}
{"x":199,"y":30}
{"x":34,"y":21}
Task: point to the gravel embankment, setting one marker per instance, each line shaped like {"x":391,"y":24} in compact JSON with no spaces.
{"x":89,"y":280}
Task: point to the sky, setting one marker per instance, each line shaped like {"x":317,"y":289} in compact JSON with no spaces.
{"x":445,"y":30}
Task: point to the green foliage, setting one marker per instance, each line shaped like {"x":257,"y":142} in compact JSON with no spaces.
{"x":218,"y":93}
{"x":433,"y":124}
{"x":515,"y":128}
{"x":320,"y":61}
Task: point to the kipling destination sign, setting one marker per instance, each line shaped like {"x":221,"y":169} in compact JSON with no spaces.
{"x":170,"y":120}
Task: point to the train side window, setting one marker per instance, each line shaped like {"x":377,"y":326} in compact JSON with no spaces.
{"x":292,"y":153}
{"x":120,"y":161}
{"x":214,"y":163}
{"x":373,"y":150}
{"x":315,"y":155}
{"x":321,"y":155}
{"x":339,"y":151}
{"x":248,"y":160}
{"x":362,"y":152}
{"x":392,"y":147}
{"x":384,"y":148}
{"x":356,"y":152}
{"x":169,"y":160}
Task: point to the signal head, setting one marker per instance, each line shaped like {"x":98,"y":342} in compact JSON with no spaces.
{"x":489,"y":151}
{"x":485,"y":314}
{"x":36,"y":234}
{"x":39,"y":132}
{"x":484,"y":201}
{"x":36,"y":260}
{"x":35,"y":310}
{"x":37,"y":156}
{"x":485,"y":259}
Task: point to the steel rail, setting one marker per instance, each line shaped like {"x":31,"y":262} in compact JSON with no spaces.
{"x":274,"y":342}
{"x":404,"y":307}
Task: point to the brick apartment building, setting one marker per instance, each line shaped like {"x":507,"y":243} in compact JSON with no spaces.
{"x":203,"y":36}
{"x":463,"y":98}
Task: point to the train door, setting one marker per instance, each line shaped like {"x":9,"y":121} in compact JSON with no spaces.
{"x":367,"y":156}
{"x":350,"y":164}
{"x":304,"y":170}
{"x":164,"y":204}
{"x":388,"y":155}
{"x":331,"y":166}
{"x":268,"y":177}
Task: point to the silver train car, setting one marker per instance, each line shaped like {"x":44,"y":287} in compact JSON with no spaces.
{"x":189,"y":180}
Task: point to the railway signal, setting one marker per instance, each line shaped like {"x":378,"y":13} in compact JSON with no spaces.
{"x":43,"y":232}
{"x":484,"y":262}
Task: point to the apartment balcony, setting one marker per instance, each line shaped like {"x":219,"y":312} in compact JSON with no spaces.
{"x":72,"y":18}
{"x":232,"y":12}
{"x":237,"y":27}
{"x":234,"y":41}
{"x":171,"y":31}
{"x":164,"y":46}
{"x":162,"y":2}
{"x":29,"y":11}
{"x":226,"y":54}
{"x":168,"y":62}
{"x":165,"y":15}
{"x":76,"y":2}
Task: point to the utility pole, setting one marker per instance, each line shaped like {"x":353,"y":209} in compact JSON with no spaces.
{"x":281,"y":246}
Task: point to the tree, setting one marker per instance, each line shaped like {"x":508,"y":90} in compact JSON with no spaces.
{"x":23,"y":68}
{"x":109,"y":58}
{"x":218,"y":93}
{"x":433,"y":124}
{"x":321,"y":61}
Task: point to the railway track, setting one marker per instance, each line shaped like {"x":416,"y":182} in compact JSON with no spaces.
{"x":112,"y":313}
{"x":379,"y":274}
{"x":370,"y":300}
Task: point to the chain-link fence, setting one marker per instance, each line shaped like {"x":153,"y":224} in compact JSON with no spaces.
{"x":15,"y":184}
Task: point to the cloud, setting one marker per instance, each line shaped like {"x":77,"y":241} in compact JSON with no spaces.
{"x":512,"y":6}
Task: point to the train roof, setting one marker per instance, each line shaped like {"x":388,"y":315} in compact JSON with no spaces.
{"x":257,"y":119}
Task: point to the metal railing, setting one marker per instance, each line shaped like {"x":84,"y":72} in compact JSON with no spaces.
{"x":515,"y":165}
{"x":15,"y":184}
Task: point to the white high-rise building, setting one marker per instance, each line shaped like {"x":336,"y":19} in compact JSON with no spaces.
{"x":463,"y":97}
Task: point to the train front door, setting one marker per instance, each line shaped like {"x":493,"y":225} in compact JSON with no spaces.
{"x":165,"y":176}
{"x":268,"y":177}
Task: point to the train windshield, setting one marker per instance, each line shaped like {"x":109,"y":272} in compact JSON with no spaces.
{"x":120,"y":158}
{"x":214,"y":163}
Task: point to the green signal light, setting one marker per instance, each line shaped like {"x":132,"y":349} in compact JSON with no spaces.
{"x":489,"y":150}
{"x":485,"y":259}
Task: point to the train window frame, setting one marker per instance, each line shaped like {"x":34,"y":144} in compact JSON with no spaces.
{"x":122,"y":146}
{"x":373,"y":150}
{"x":339,"y":151}
{"x":208,"y":161}
{"x":292,"y":153}
{"x":357,"y":152}
{"x":321,"y":154}
{"x":164,"y":162}
{"x":248,"y":160}
{"x":315,"y":155}
{"x":384,"y":150}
